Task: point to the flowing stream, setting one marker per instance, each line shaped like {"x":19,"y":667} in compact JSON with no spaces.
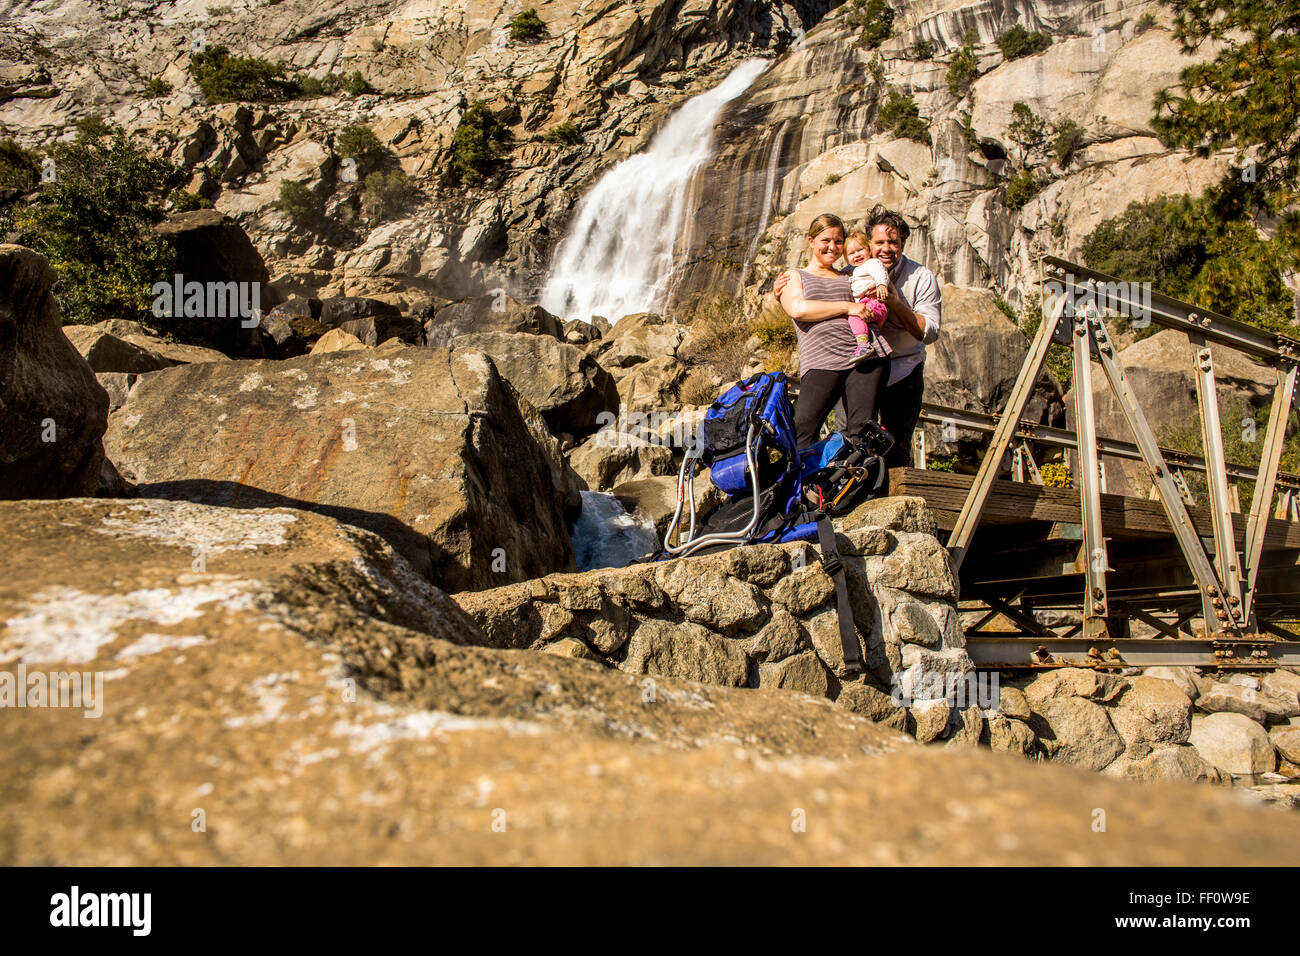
{"x":606,"y":536}
{"x":618,"y":256}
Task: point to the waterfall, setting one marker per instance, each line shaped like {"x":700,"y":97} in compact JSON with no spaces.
{"x":618,"y":256}
{"x":777,"y":142}
{"x":606,"y":536}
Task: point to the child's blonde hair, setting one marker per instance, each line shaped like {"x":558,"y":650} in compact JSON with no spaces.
{"x":859,"y":237}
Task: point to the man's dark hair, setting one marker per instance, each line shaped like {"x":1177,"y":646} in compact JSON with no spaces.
{"x":880,"y":216}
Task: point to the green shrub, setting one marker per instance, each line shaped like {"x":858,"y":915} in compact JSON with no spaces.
{"x":775,"y":333}
{"x":182,"y":201}
{"x":481,"y":138}
{"x":833,"y":178}
{"x":1018,"y":42}
{"x":1067,"y":137}
{"x":1145,"y":23}
{"x":231,"y":79}
{"x":92,"y":127}
{"x":156,"y":87}
{"x":95,"y":224}
{"x":360,"y":143}
{"x":719,"y":336}
{"x":19,"y":168}
{"x":875,"y":19}
{"x":355,"y":84}
{"x":942,"y":463}
{"x":922,"y":49}
{"x":565,"y":132}
{"x":309,"y":87}
{"x":300,"y":204}
{"x":386,"y":194}
{"x":900,"y":114}
{"x":527,"y":27}
{"x":964,"y":68}
{"x":1004,"y":306}
{"x":1022,"y":187}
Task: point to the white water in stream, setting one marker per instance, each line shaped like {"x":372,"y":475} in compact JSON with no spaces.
{"x":606,"y":536}
{"x":618,"y":256}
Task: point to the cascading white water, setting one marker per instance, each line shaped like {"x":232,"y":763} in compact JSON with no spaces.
{"x":606,"y":536}
{"x":618,"y":256}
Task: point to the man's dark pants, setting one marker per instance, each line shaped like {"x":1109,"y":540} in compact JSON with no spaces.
{"x":900,"y":408}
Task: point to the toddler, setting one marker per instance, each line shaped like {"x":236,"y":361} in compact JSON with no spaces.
{"x":870,"y":285}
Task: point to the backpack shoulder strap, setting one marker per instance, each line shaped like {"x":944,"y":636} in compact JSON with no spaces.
{"x":843,"y":606}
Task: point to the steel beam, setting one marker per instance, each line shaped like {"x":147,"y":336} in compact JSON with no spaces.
{"x":1018,"y":653}
{"x":1061,"y":438}
{"x":1095,"y":609}
{"x":1269,"y":458}
{"x":1171,"y":498}
{"x":1228,"y":563}
{"x":1171,"y":313}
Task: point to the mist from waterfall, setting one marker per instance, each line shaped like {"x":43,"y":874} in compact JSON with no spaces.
{"x":618,"y":256}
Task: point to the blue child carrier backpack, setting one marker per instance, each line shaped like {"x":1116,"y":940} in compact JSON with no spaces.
{"x":775,"y":491}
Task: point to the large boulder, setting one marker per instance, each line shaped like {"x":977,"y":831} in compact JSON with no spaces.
{"x":1077,"y":731}
{"x":974,"y":365}
{"x":292,"y":327}
{"x":1223,"y":697}
{"x":640,"y":338}
{"x":569,"y":388}
{"x":1281,"y":690}
{"x":295,"y":656}
{"x":1234,"y":743}
{"x":609,"y":458}
{"x":490,"y":313}
{"x":1286,"y":741}
{"x":426,"y":447}
{"x":370,"y":320}
{"x":52,"y":411}
{"x":212,"y":247}
{"x":118,"y":345}
{"x":176,"y":353}
{"x":104,"y":352}
{"x":1164,"y":763}
{"x":1160,"y":371}
{"x":1152,"y":711}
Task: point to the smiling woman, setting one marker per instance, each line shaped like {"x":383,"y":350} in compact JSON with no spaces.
{"x":819,"y":301}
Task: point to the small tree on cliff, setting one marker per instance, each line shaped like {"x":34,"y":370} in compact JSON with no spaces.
{"x":480,"y":140}
{"x":1245,"y":98}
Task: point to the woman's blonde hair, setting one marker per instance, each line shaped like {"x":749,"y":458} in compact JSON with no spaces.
{"x":823,"y":222}
{"x":858,"y":236}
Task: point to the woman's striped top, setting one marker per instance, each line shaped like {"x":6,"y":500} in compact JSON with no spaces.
{"x":827,"y":344}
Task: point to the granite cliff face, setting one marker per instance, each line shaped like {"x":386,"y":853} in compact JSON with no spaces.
{"x":805,"y":138}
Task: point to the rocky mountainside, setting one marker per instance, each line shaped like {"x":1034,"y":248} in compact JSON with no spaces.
{"x":612,"y":69}
{"x":805,"y":138}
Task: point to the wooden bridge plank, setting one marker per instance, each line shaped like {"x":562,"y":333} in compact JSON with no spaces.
{"x":1014,"y":502}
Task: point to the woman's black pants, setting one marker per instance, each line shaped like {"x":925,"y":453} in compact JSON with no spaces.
{"x":820,"y":389}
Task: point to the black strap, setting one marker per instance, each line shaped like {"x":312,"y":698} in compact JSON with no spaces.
{"x":843,"y":606}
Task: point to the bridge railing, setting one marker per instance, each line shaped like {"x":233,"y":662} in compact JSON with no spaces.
{"x":1075,"y":301}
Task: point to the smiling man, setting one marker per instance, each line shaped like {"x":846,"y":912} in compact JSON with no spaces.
{"x":915,"y":316}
